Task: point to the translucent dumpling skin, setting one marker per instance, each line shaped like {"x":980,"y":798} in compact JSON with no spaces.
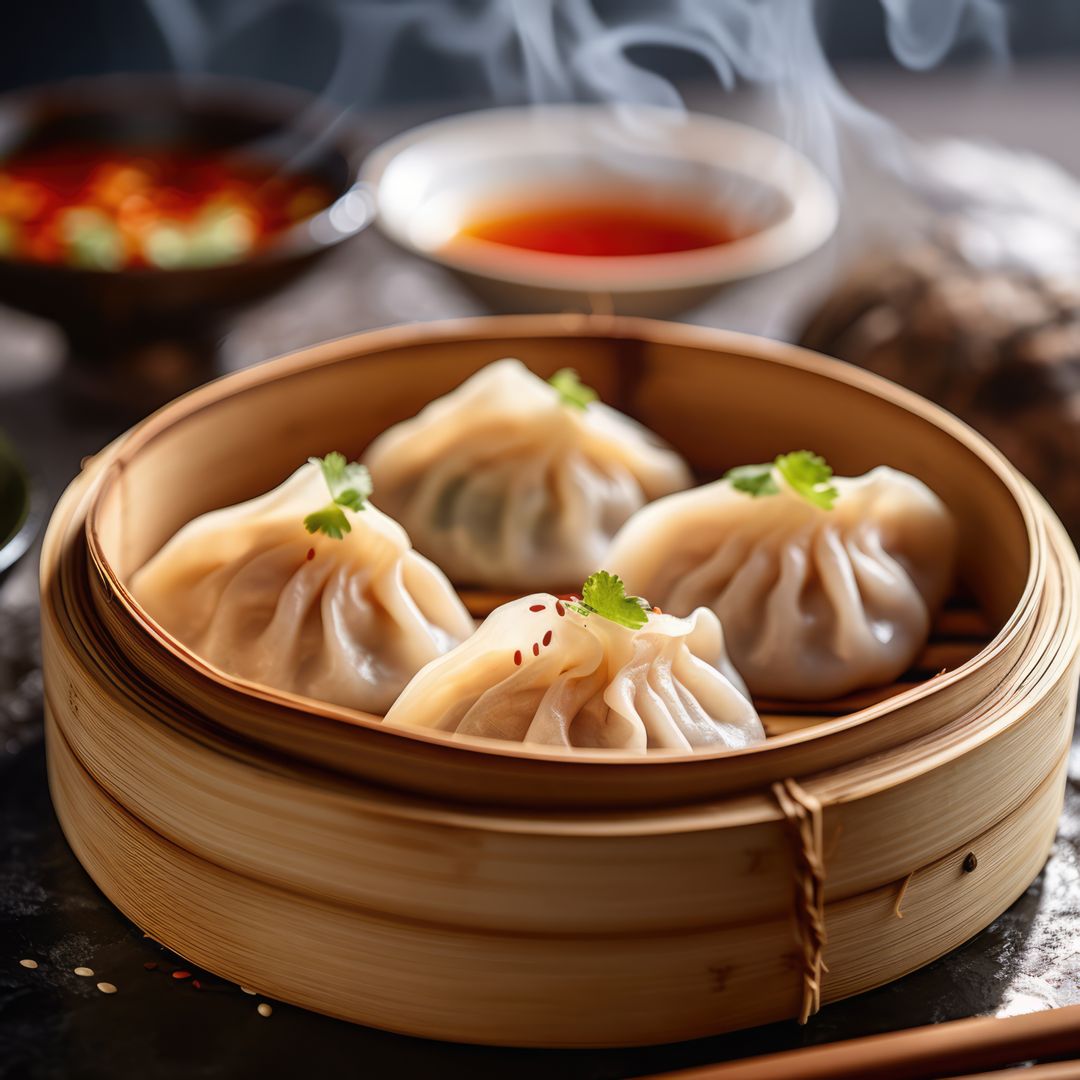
{"x":504,"y":485}
{"x":539,"y":672}
{"x":815,"y":602}
{"x":347,"y":621}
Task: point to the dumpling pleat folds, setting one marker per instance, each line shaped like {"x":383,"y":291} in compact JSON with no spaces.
{"x":815,"y":602}
{"x":348,"y":621}
{"x":543,"y":672}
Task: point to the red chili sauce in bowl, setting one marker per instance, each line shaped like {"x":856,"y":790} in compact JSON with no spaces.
{"x":107,"y":208}
{"x":602,"y":230}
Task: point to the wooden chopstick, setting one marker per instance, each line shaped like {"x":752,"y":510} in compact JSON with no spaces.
{"x":1055,"y":1070}
{"x":954,"y":1049}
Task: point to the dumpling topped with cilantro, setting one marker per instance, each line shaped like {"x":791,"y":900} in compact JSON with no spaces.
{"x":825,"y":584}
{"x":309,"y":589}
{"x":601,"y":671}
{"x":512,"y":482}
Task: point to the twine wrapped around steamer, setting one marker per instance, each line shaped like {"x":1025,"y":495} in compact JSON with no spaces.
{"x":804,"y":814}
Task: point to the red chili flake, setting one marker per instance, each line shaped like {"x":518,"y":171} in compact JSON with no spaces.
{"x":310,"y":554}
{"x":547,"y":638}
{"x":536,"y":649}
{"x":657,"y":611}
{"x":517,"y":658}
{"x":536,"y":607}
{"x":181,"y":974}
{"x":559,"y":608}
{"x":150,"y":965}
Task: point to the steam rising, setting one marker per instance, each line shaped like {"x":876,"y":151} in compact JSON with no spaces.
{"x":921,"y":32}
{"x":544,"y":51}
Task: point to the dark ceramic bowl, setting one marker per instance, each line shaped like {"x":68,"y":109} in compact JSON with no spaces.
{"x":112,"y":318}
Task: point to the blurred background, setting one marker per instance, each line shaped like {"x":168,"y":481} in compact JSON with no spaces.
{"x":299,"y":41}
{"x":863,"y":89}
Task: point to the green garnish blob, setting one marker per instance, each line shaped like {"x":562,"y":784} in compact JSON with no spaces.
{"x":604,"y":594}
{"x":753,"y":479}
{"x":91,"y":239}
{"x":350,"y":487}
{"x":8,"y":234}
{"x":572,"y":391}
{"x":808,"y":474}
{"x":331,"y":520}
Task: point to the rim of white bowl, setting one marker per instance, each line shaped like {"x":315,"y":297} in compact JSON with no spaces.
{"x":811,"y":217}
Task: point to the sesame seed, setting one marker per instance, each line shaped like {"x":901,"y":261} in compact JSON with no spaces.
{"x":264,"y":1009}
{"x":247,"y":990}
{"x":106,"y":988}
{"x":84,"y":971}
{"x":29,"y":964}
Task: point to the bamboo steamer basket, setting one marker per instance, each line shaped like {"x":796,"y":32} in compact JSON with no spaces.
{"x":477,"y":892}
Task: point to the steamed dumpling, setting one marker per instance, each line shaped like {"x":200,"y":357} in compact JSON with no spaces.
{"x":540,"y":672}
{"x":507,"y":485}
{"x":348,"y":621}
{"x":815,"y":602}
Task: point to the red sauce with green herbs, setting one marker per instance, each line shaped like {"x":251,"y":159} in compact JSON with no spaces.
{"x":105,"y":208}
{"x":595,"y":229}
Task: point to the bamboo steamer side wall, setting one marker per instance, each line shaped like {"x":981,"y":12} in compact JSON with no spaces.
{"x":546,"y":990}
{"x":719,"y":862}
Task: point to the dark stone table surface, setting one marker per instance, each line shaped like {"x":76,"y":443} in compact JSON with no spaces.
{"x":54,"y":1023}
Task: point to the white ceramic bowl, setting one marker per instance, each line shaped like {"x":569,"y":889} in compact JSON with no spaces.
{"x":430,"y":181}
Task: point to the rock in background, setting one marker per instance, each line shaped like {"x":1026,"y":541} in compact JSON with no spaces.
{"x":980,"y":309}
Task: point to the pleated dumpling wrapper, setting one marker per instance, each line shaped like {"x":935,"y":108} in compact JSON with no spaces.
{"x":824,"y":584}
{"x":346,"y":614}
{"x":514,"y":483}
{"x":600,"y":672}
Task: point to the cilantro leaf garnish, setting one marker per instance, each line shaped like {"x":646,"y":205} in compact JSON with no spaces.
{"x":806,"y":473}
{"x":809,"y":475}
{"x":330,"y":519}
{"x":753,"y":479}
{"x":605,"y":595}
{"x":572,"y":391}
{"x":350,"y":486}
{"x":349,"y":483}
